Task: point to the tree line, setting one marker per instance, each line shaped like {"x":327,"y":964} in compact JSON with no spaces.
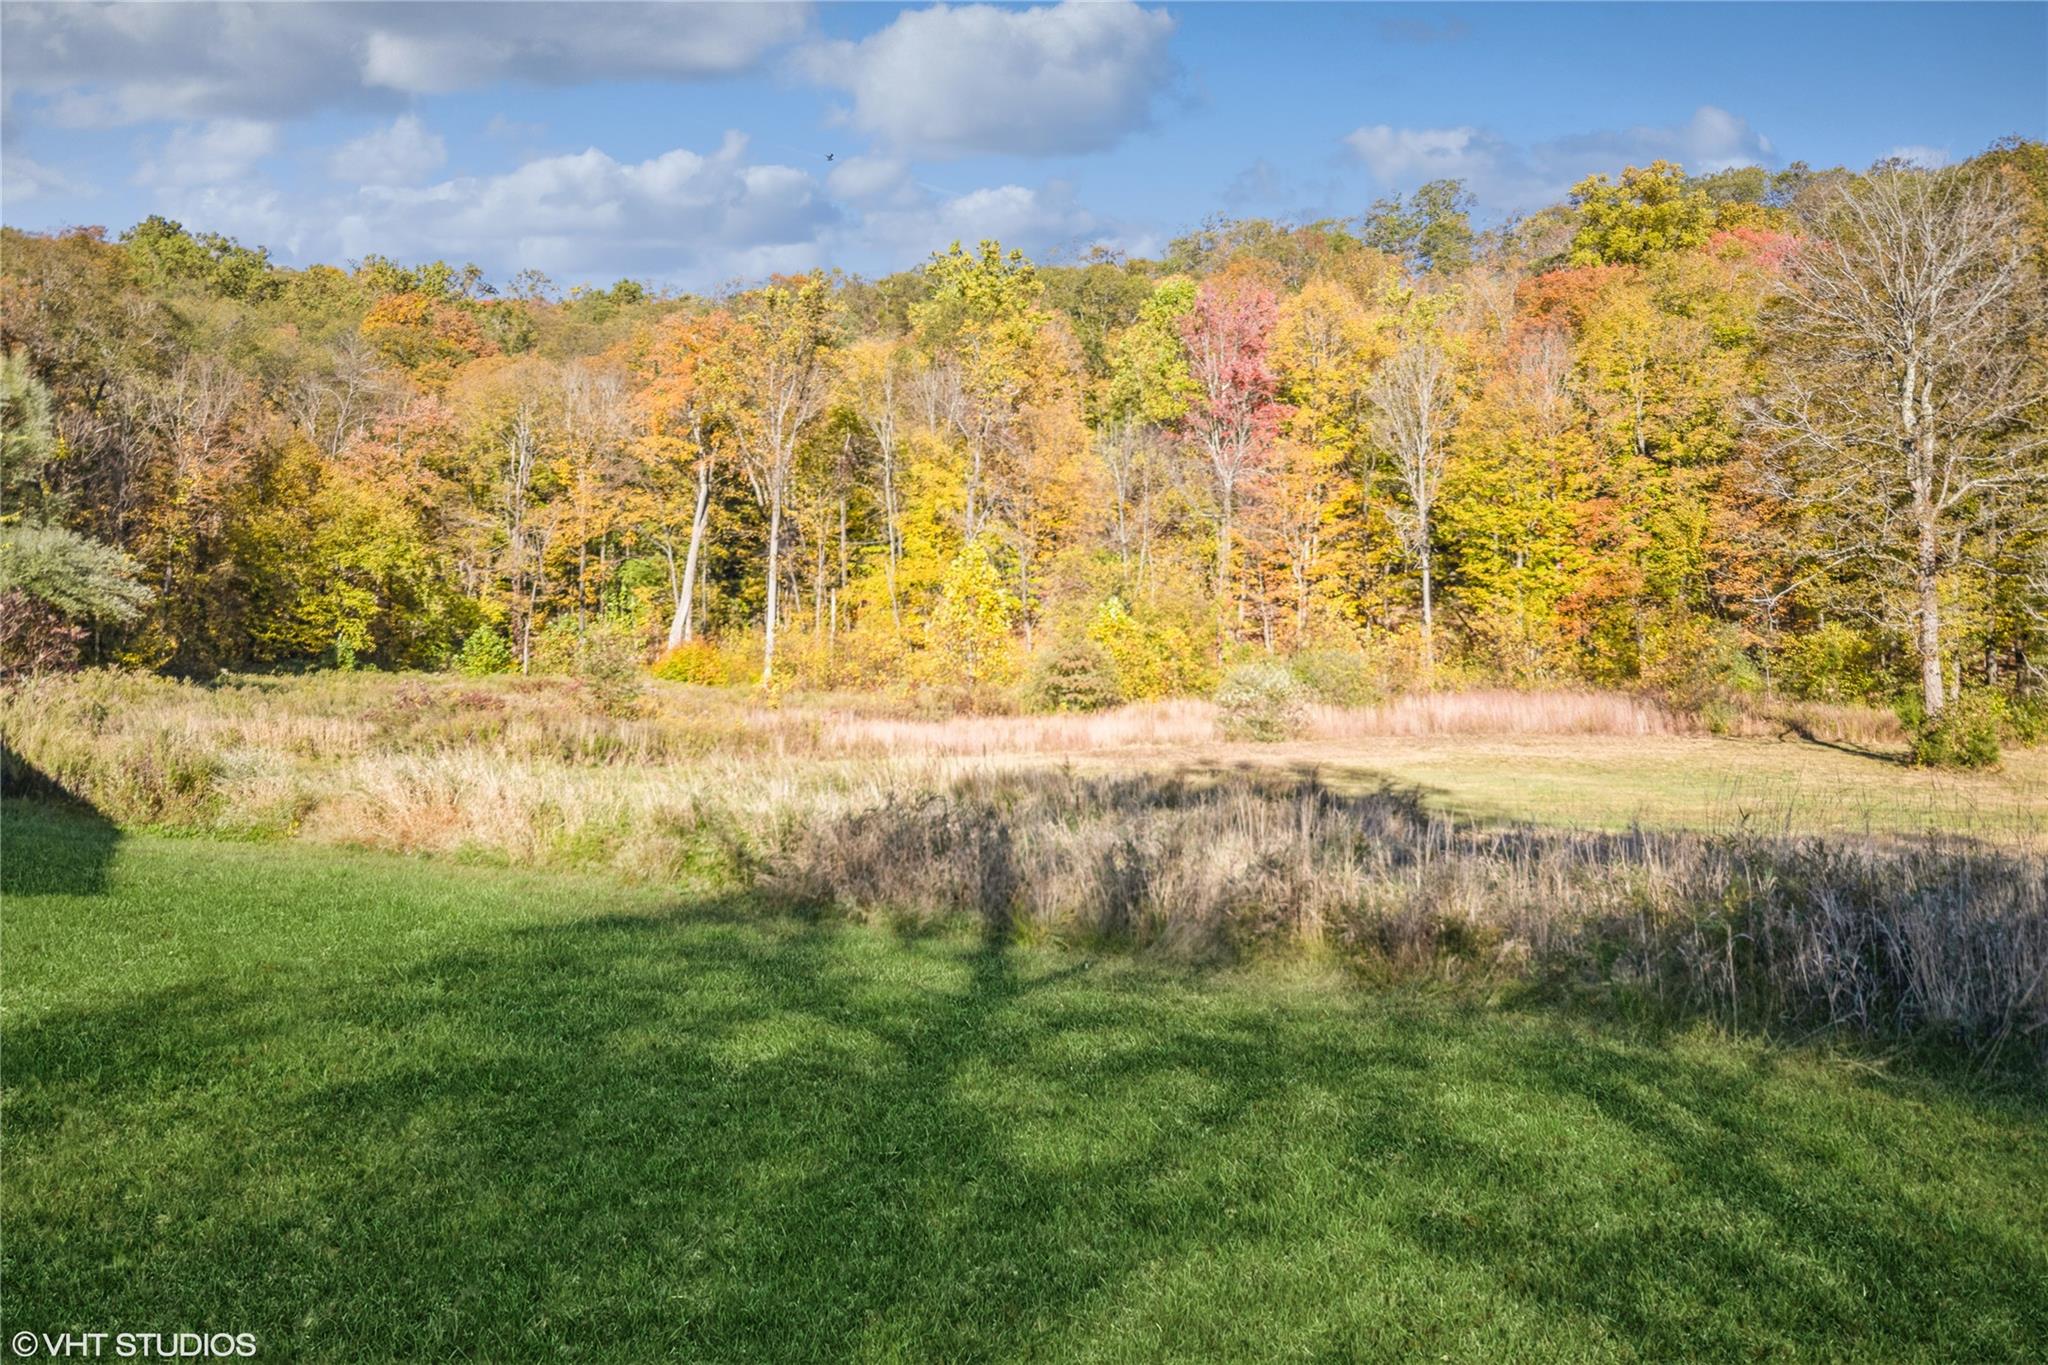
{"x":1697,"y":434}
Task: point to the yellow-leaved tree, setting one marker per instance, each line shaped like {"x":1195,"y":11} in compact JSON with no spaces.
{"x":969,"y":630}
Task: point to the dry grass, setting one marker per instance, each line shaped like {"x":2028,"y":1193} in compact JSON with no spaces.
{"x":1440,"y":832}
{"x":526,"y":770}
{"x":1865,"y":936}
{"x":1501,"y":712}
{"x":1157,"y":724}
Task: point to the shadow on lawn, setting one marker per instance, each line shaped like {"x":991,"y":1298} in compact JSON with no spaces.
{"x":52,"y":841}
{"x":709,"y":1135}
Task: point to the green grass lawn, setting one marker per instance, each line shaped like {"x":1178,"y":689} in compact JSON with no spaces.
{"x":1673,"y":782}
{"x":370,"y":1108}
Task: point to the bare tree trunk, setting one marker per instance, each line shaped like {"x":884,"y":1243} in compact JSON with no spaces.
{"x":683,"y":627}
{"x":1428,"y":606}
{"x":818,"y":590}
{"x":774,"y":583}
{"x":1224,"y":498}
{"x":1927,"y":581}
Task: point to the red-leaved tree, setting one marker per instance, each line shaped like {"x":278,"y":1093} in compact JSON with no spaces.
{"x":1228,"y":335}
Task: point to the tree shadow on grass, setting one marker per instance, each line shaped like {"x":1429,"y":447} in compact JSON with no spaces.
{"x":1785,"y":1209}
{"x":52,"y":841}
{"x":1800,"y":730}
{"x":711,"y":1135}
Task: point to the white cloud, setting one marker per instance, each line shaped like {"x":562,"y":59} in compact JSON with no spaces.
{"x":23,"y":178}
{"x":1040,"y":220}
{"x":1400,"y":155}
{"x":1933,"y":158}
{"x":960,"y":81}
{"x":687,"y":217}
{"x":682,"y":212}
{"x":1015,"y":213}
{"x":398,"y":155}
{"x":871,"y":178}
{"x":209,"y":153}
{"x":1508,"y":177}
{"x":105,"y":65}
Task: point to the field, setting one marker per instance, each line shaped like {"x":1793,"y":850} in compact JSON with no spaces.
{"x":368,"y":1107}
{"x":492,"y":1027}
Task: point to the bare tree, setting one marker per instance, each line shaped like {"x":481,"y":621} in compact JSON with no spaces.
{"x":1415,"y":407}
{"x":1901,"y":419}
{"x":875,"y":381}
{"x":339,"y":398}
{"x":596,"y":422}
{"x":524,"y":559}
{"x":779,"y":382}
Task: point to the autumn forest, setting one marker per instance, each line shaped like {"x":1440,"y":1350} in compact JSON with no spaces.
{"x":1704,"y":437}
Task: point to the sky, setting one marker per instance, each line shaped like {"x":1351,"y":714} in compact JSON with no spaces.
{"x":697,"y":145}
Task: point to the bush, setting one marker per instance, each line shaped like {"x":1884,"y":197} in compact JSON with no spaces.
{"x":1074,"y":675}
{"x":1337,"y":677}
{"x":1154,"y":656}
{"x":2026,"y":720}
{"x":1691,"y":662}
{"x":1830,"y":663}
{"x":697,"y":661}
{"x":609,"y":667}
{"x":484,"y":653}
{"x":557,"y":648}
{"x":1963,"y":734}
{"x":1259,"y":701}
{"x":865,"y":658}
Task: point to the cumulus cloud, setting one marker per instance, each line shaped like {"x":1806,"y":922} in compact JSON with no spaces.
{"x":1046,"y":221}
{"x":1509,"y":176}
{"x":107,"y":65}
{"x":23,"y":178}
{"x":209,"y":153}
{"x":1401,"y":155}
{"x":692,"y":217}
{"x":401,"y":154}
{"x":871,"y":178}
{"x":960,"y":81}
{"x":678,"y":213}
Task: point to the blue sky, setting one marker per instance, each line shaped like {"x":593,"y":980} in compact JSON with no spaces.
{"x":687,"y":144}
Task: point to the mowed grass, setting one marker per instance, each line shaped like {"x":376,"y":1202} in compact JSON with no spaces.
{"x":1789,"y":786}
{"x":372,"y":1108}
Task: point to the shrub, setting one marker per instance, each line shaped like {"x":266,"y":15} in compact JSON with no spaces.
{"x":1963,"y":734}
{"x":696,"y":661}
{"x":609,"y":667}
{"x":867,"y":658}
{"x":484,"y":653}
{"x":1154,"y":656}
{"x":1830,"y":663}
{"x":1690,"y":662}
{"x":1259,"y":701}
{"x":557,"y":648}
{"x":2026,"y":720}
{"x":1337,"y":677}
{"x":1075,"y":674}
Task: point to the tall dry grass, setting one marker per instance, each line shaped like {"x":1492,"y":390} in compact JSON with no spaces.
{"x":1874,"y":938}
{"x":1502,"y":712}
{"x":878,"y":812}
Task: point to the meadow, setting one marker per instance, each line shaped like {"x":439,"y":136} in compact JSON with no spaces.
{"x":1486,"y":1026}
{"x":368,"y":1107}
